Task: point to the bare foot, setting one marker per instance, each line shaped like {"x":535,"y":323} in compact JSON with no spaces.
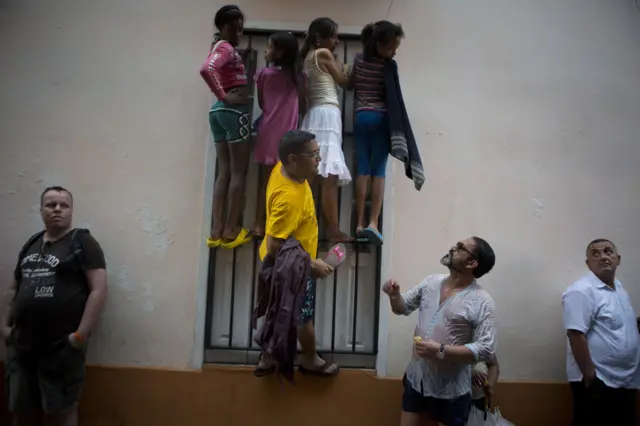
{"x":265,"y":367}
{"x":337,"y":236}
{"x":265,"y":362}
{"x":359,"y":229}
{"x":216,"y":234}
{"x":373,"y":226}
{"x":230,"y":234}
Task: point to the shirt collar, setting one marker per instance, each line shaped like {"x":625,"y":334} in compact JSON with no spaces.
{"x":598,"y":282}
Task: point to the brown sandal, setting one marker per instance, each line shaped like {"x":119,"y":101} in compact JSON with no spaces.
{"x":321,"y":371}
{"x":262,"y":372}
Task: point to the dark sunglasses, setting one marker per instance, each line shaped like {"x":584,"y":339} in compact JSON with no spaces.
{"x":461,"y":246}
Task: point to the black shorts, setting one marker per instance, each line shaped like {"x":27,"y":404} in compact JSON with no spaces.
{"x":449,"y":412}
{"x":480,"y":403}
{"x":599,"y":405}
{"x":52,"y":383}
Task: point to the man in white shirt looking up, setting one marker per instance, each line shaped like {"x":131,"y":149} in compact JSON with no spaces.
{"x":603,"y":351}
{"x":457,"y":327}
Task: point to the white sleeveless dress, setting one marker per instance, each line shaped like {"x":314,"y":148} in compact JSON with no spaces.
{"x":323,"y":118}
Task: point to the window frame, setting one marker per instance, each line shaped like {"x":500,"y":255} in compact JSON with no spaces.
{"x":247,"y":356}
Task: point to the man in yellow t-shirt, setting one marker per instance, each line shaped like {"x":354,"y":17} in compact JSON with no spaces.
{"x":291,"y":212}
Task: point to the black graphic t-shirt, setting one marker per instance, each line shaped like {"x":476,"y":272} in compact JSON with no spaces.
{"x":52,"y":293}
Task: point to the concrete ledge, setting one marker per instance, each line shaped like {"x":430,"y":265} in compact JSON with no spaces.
{"x":231,"y":396}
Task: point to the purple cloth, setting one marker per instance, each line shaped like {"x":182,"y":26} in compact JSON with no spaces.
{"x":282,"y":285}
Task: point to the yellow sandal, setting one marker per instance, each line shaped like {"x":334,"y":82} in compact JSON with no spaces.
{"x":211,"y":243}
{"x":243,"y":238}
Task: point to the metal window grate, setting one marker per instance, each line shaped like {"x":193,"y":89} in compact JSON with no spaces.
{"x":346,"y":316}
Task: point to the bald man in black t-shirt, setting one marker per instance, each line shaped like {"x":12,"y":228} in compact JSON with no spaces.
{"x":58,"y":292}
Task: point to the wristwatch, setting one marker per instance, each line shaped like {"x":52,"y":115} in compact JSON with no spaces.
{"x":440,"y":353}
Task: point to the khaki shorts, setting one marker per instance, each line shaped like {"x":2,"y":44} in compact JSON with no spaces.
{"x":52,"y":383}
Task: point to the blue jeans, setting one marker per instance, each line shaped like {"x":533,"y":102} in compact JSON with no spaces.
{"x":373,"y":141}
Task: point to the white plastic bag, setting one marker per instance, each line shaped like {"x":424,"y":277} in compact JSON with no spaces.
{"x":476,"y":418}
{"x":501,"y":421}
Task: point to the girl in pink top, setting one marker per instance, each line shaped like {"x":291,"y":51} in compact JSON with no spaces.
{"x":224,"y":72}
{"x":280,"y":86}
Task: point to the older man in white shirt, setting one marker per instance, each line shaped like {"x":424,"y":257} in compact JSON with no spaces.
{"x":456,"y":329}
{"x":603,"y":351}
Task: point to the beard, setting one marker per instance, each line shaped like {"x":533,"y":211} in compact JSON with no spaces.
{"x":447,"y":259}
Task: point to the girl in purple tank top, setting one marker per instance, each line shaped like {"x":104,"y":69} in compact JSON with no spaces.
{"x":280,"y":86}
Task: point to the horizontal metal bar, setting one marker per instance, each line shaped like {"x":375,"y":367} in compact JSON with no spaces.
{"x":358,"y":241}
{"x":345,"y":134}
{"x":245,"y":349}
{"x":298,"y":32}
{"x":250,"y":357}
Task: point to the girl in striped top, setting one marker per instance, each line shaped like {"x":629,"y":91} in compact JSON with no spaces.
{"x":380,"y":42}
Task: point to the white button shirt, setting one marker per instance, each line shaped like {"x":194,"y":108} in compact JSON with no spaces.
{"x":467,"y":318}
{"x":607,"y":319}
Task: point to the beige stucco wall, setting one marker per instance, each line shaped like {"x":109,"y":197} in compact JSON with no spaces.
{"x":527,"y":115}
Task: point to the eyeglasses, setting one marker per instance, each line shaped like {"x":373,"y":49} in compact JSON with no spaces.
{"x":313,"y":154}
{"x":460,"y":246}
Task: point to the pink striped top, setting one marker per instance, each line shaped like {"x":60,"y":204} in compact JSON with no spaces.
{"x":223,"y":69}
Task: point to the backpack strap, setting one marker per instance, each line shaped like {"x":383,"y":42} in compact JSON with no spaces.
{"x":31,"y":241}
{"x":75,"y":248}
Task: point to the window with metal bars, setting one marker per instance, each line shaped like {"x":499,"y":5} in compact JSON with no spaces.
{"x":346,"y":310}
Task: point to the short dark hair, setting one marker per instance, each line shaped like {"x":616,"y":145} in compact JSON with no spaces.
{"x":599,"y":240}
{"x":226,"y":15}
{"x":293,"y":142}
{"x":56,"y":188}
{"x":485,"y":257}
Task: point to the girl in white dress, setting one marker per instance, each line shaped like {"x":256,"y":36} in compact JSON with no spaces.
{"x":323,"y":116}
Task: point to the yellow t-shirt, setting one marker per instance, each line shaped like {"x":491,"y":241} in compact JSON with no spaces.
{"x":290,"y":212}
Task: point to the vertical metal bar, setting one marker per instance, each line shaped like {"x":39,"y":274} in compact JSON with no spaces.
{"x":335,"y":276}
{"x":376,"y":306}
{"x":211,"y":280}
{"x":355,"y":300}
{"x":357,"y":250}
{"x":333,"y":313}
{"x":252,"y":66}
{"x":344,"y":95}
{"x":256,"y":246}
{"x":233,"y":295}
